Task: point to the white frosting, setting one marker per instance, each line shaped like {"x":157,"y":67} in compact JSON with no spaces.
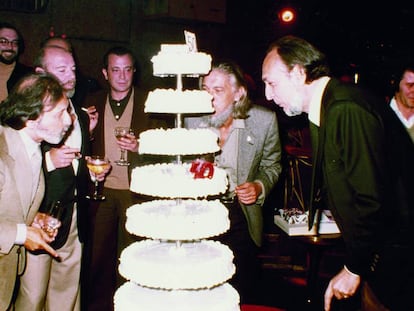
{"x":176,"y":181}
{"x":173,"y":60}
{"x":168,"y":265}
{"x":178,"y":141}
{"x":176,"y":101}
{"x":178,"y":220}
{"x":132,"y":297}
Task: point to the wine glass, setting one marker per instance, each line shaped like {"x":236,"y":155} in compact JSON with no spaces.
{"x":120,"y":132}
{"x":97,"y":165}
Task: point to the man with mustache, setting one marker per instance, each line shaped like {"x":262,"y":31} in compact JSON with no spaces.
{"x":11,"y":46}
{"x":35,"y":111}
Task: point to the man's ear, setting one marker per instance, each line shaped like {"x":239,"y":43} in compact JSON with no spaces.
{"x":39,"y":70}
{"x":298,"y":73}
{"x":105,"y":73}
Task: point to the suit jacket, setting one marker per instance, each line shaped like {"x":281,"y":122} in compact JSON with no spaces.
{"x":140,"y":122}
{"x":259,"y":158}
{"x":364,"y":161}
{"x":16,"y":207}
{"x":61,"y":184}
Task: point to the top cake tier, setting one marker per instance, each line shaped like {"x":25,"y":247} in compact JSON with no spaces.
{"x":176,"y":59}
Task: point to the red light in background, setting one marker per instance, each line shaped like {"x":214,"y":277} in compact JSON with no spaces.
{"x":287,"y":15}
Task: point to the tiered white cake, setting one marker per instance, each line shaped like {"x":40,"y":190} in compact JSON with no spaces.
{"x":176,"y":268}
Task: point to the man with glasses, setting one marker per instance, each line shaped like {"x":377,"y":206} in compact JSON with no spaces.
{"x":11,"y":46}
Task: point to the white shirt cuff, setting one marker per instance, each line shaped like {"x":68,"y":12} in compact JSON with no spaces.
{"x":21,"y":234}
{"x":49,"y":164}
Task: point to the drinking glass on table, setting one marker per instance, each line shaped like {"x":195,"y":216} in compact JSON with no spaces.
{"x":97,"y":165}
{"x":121,"y":132}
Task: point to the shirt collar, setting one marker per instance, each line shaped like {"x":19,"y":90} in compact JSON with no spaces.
{"x":407,"y":122}
{"x":31,"y":146}
{"x":316,"y":100}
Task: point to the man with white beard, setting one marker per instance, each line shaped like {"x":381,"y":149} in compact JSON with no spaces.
{"x":250,"y":154}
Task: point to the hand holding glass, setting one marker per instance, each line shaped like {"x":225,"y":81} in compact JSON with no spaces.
{"x":97,"y":165}
{"x":51,"y":221}
{"x":121,"y":132}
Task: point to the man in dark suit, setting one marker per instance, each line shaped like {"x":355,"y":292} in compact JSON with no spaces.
{"x":11,"y":70}
{"x":54,"y":285}
{"x":363,"y":167}
{"x":35,"y":111}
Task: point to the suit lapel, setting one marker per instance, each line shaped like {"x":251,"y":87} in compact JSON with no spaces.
{"x":21,"y":166}
{"x":318,"y":143}
{"x":247,"y":142}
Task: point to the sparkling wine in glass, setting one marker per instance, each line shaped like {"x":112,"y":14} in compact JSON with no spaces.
{"x":120,"y":132}
{"x":97,"y":165}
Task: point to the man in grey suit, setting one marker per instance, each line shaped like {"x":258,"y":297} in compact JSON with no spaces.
{"x":251,"y":155}
{"x":35,"y":111}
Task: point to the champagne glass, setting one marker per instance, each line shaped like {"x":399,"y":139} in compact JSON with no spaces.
{"x":97,"y":165}
{"x":120,"y":132}
{"x":53,"y":215}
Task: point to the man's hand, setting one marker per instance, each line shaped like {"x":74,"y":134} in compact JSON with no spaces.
{"x":248,"y":192}
{"x":128,"y":142}
{"x":342,"y":286}
{"x":37,"y":239}
{"x":93,"y":117}
{"x":63,"y":156}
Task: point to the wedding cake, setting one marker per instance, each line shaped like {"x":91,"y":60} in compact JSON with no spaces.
{"x":177,"y":59}
{"x":177,"y":101}
{"x":178,"y":141}
{"x":176,"y":268}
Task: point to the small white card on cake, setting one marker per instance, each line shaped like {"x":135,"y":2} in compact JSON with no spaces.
{"x":327,"y":225}
{"x":191,"y":41}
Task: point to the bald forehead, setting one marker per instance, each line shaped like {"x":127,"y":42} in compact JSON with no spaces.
{"x":56,"y":54}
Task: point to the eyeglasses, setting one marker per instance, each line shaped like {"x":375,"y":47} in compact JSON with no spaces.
{"x":5,"y":42}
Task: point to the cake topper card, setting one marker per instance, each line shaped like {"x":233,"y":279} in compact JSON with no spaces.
{"x":191,"y":41}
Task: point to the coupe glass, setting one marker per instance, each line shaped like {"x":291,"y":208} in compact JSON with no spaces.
{"x":120,"y":132}
{"x":97,"y":165}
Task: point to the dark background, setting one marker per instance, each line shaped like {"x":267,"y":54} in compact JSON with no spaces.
{"x":367,"y":37}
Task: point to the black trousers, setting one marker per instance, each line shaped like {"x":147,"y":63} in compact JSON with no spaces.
{"x":245,"y":254}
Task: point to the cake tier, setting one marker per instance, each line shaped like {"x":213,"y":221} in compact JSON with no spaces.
{"x":178,"y":141}
{"x":176,"y":59}
{"x":132,"y":297}
{"x":178,"y":220}
{"x":168,"y":265}
{"x":176,"y":101}
{"x":176,"y":181}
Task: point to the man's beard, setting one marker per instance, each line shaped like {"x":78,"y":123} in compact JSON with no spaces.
{"x":10,"y":60}
{"x":70,"y":93}
{"x":218,"y":120}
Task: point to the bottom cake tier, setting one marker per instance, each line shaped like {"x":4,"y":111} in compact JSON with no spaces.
{"x":167,"y":265}
{"x":132,"y":297}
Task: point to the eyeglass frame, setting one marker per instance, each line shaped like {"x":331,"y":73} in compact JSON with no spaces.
{"x":6,"y":42}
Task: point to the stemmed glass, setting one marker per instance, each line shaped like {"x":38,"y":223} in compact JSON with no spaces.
{"x":120,"y":132}
{"x":97,"y":165}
